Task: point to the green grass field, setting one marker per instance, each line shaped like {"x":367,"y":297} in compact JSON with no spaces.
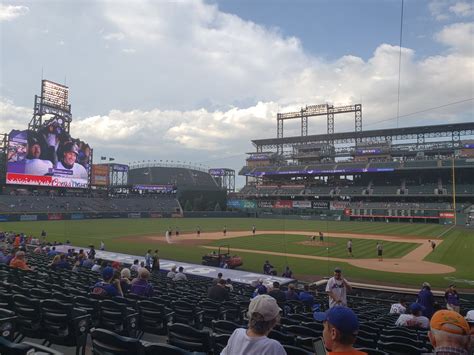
{"x":456,"y":250}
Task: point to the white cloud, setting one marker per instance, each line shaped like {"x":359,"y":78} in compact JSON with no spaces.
{"x":462,"y":9}
{"x":129,"y":50}
{"x":459,"y":37}
{"x":12,"y":116}
{"x":11,"y":12}
{"x":117,"y":36}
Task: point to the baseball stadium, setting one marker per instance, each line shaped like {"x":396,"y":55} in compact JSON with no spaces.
{"x":392,"y":208}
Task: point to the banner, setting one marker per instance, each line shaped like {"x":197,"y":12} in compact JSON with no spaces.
{"x":55,"y":216}
{"x":283,"y":204}
{"x":28,"y":217}
{"x":265,"y":204}
{"x":156,"y":215}
{"x":339,"y":205}
{"x":320,"y":205}
{"x":241,"y":204}
{"x":134,"y":215}
{"x":77,"y":216}
{"x":301,"y":204}
{"x":446,"y":215}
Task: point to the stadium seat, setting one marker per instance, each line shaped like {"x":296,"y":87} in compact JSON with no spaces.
{"x":365,"y":342}
{"x":153,"y":317}
{"x":90,"y":305}
{"x":25,"y":348}
{"x":118,"y":318}
{"x":299,"y":317}
{"x":224,"y":326}
{"x":105,"y":342}
{"x":211,"y":311}
{"x":314,"y":325}
{"x":400,"y":348}
{"x":294,"y":350}
{"x":371,"y":351}
{"x":187,"y":313}
{"x":301,"y":331}
{"x":282,"y":338}
{"x":64,"y":325}
{"x":400,"y":339}
{"x":29,"y":319}
{"x":219,"y":342}
{"x":189,"y":338}
{"x":7,"y":324}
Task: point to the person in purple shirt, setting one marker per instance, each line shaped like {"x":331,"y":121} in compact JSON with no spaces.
{"x":140,"y":285}
{"x":426,"y":299}
{"x":291,"y":293}
{"x":110,"y":286}
{"x":53,"y":252}
{"x":63,"y":264}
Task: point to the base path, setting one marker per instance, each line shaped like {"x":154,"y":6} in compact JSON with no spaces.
{"x":411,"y":263}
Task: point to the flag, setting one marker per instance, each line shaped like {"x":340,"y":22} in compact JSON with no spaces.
{"x":103,"y":158}
{"x":111,"y":159}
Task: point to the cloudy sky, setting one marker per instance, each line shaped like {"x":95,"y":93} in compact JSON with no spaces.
{"x":196,"y":80}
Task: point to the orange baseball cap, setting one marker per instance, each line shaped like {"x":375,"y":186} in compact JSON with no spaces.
{"x":450,"y":321}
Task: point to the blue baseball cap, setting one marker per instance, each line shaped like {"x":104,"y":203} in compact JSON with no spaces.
{"x":108,"y":272}
{"x":416,"y":307}
{"x":342,"y":318}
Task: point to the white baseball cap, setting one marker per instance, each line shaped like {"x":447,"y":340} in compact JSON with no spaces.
{"x":470,"y":317}
{"x":266,"y":306}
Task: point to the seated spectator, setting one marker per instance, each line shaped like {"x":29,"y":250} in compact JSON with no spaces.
{"x":180,"y":276}
{"x":400,"y":307}
{"x":37,"y":250}
{"x":97,"y":266}
{"x":19,"y":262}
{"x":87,"y":263}
{"x":306,"y":296}
{"x":116,"y":265}
{"x":125,"y":282}
{"x":52,"y":252}
{"x":140,"y":285}
{"x":219,"y":277}
{"x":218,"y":293}
{"x":340,"y":330}
{"x":449,"y":333}
{"x":135,"y":266}
{"x":263,"y":315}
{"x":63,"y":264}
{"x":171,"y":274}
{"x":110,"y":286}
{"x":291,"y":294}
{"x":54,"y":262}
{"x":228,"y":285}
{"x":470,"y":321}
{"x":277,"y":294}
{"x":415,"y":319}
{"x":8,"y":257}
{"x":260,"y":289}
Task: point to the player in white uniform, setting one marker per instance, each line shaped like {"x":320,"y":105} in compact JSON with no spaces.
{"x":68,"y":164}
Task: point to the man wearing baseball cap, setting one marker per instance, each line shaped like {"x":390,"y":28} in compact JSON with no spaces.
{"x":449,"y":334}
{"x":340,"y":330}
{"x":415,"y":319}
{"x":263,"y":315}
{"x":337,"y":288}
{"x":67,"y":164}
{"x":110,"y":286}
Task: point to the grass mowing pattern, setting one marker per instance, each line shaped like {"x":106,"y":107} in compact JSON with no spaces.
{"x":362,"y":248}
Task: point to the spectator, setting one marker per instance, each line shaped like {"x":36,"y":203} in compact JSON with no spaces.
{"x":148,"y":259}
{"x":63,"y":264}
{"x":470,"y":321}
{"x":141,"y":286}
{"x":54,"y":263}
{"x":452,"y":298}
{"x":219,"y":277}
{"x":263,"y":315}
{"x":277,"y":294}
{"x":267,"y":267}
{"x":287,"y":273}
{"x":340,"y":330}
{"x":91,"y":253}
{"x":125,"y":283}
{"x":37,"y":250}
{"x":19,"y":262}
{"x":135,"y":266}
{"x":110,"y":286}
{"x":426,"y":299}
{"x":400,"y":307}
{"x":306,"y":296}
{"x":52,"y":252}
{"x":415,"y":319}
{"x":337,"y":288}
{"x":218,"y":292}
{"x":172,"y":273}
{"x":228,"y":285}
{"x":156,"y":261}
{"x":116,"y":265}
{"x":87,"y":263}
{"x":449,"y":333}
{"x":260,"y":289}
{"x":180,"y":276}
{"x":291,"y":294}
{"x":97,"y":265}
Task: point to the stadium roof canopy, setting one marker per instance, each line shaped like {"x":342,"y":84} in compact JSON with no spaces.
{"x":420,"y":133}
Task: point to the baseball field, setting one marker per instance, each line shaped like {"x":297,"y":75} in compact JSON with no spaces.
{"x":408,"y":258}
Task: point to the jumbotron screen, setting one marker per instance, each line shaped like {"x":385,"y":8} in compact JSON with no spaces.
{"x":49,"y":157}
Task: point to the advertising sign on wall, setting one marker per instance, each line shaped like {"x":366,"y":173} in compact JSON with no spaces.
{"x":283,"y":204}
{"x":320,"y":205}
{"x":301,"y":204}
{"x":100,"y":175}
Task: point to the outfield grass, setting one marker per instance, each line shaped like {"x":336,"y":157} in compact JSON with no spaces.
{"x":456,"y":250}
{"x":362,"y":248}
